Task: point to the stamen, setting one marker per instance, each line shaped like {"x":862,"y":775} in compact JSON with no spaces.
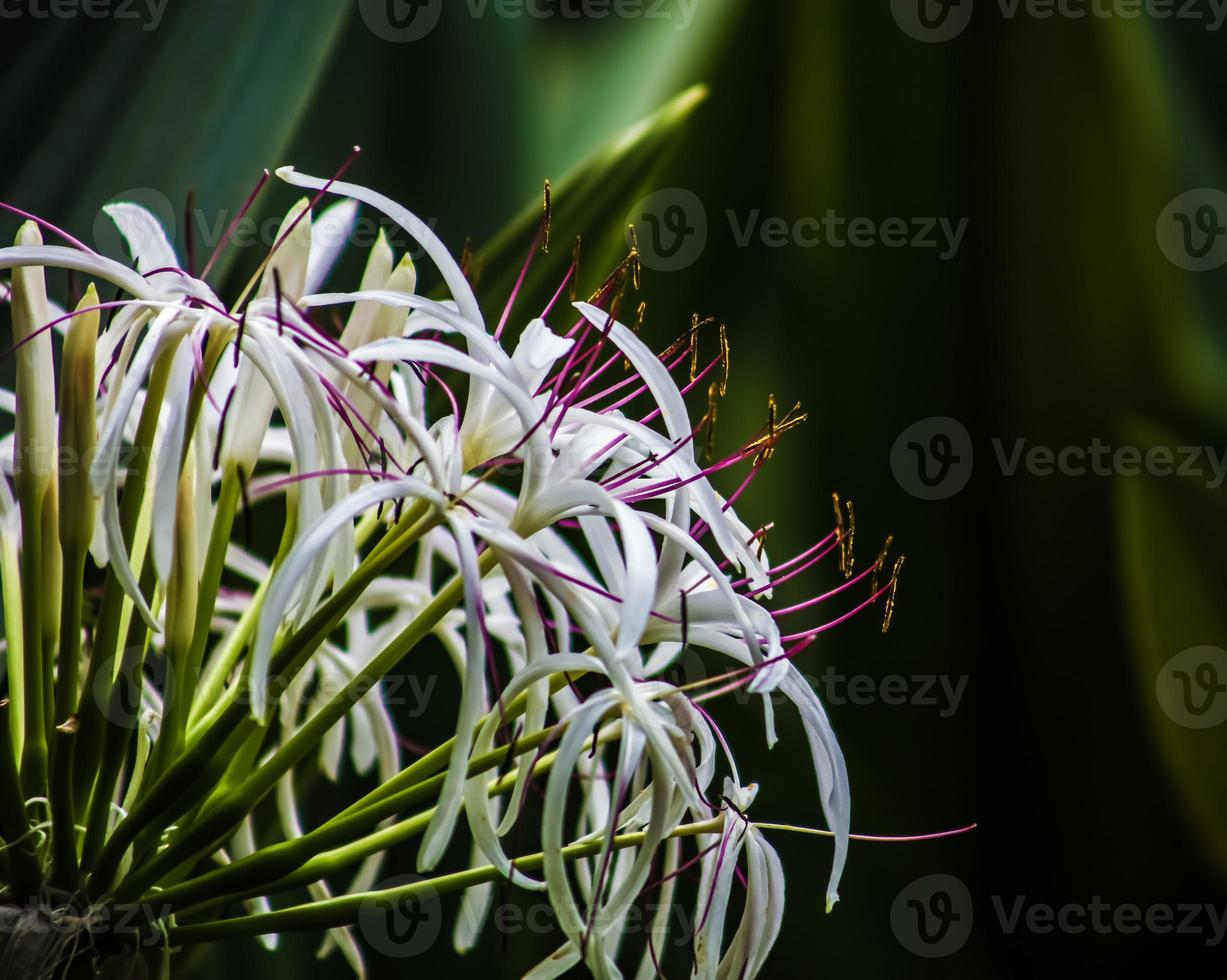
{"x":685,"y":620}
{"x":894,"y":591}
{"x":295,"y":223}
{"x":835,"y":622}
{"x":776,"y":427}
{"x":576,"y":252}
{"x":547,"y":219}
{"x":808,"y":603}
{"x":277,"y":300}
{"x":713,"y":393}
{"x":846,"y":538}
{"x":881,"y":562}
{"x":871,"y":838}
{"x":637,"y":328}
{"x":725,"y":360}
{"x":467,"y":263}
{"x":251,"y":198}
{"x":190,"y":239}
{"x":258,"y":491}
{"x":694,"y":346}
{"x":238,"y":337}
{"x":616,"y":281}
{"x":804,"y":561}
{"x":42,"y":223}
{"x":221,"y":426}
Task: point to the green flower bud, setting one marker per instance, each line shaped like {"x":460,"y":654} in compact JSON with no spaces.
{"x":78,"y":428}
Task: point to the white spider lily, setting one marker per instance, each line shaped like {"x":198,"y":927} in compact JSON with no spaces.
{"x":536,"y":508}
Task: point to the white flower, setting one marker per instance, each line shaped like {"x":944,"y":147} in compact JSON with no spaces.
{"x":538,"y":510}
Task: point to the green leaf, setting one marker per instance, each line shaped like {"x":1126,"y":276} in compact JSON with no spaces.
{"x":201,"y":102}
{"x":1172,"y":533}
{"x":592,"y":202}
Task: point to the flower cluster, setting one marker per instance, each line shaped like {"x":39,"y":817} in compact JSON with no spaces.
{"x":537,"y":508}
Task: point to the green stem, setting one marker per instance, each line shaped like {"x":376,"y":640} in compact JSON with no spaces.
{"x":97,"y":690}
{"x":122,"y":720}
{"x":14,"y":826}
{"x":193,"y":774}
{"x":220,"y":821}
{"x":277,"y":862}
{"x":63,"y":809}
{"x":34,"y":743}
{"x":332,"y":862}
{"x":186,"y":668}
{"x":10,"y":563}
{"x":344,"y":911}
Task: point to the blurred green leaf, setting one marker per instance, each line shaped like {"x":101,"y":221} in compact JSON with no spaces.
{"x":200,"y":102}
{"x":628,"y":66}
{"x":1173,"y":536}
{"x":591,"y":202}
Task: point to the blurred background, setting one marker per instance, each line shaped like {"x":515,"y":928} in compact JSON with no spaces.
{"x":981,"y":243}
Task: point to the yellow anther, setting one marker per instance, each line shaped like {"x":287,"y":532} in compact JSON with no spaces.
{"x":713,"y":405}
{"x":724,"y":360}
{"x":894,"y":591}
{"x":847,"y":536}
{"x":547,"y":219}
{"x":880,"y":564}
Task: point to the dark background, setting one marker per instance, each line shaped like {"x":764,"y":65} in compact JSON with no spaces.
{"x":1059,"y":320}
